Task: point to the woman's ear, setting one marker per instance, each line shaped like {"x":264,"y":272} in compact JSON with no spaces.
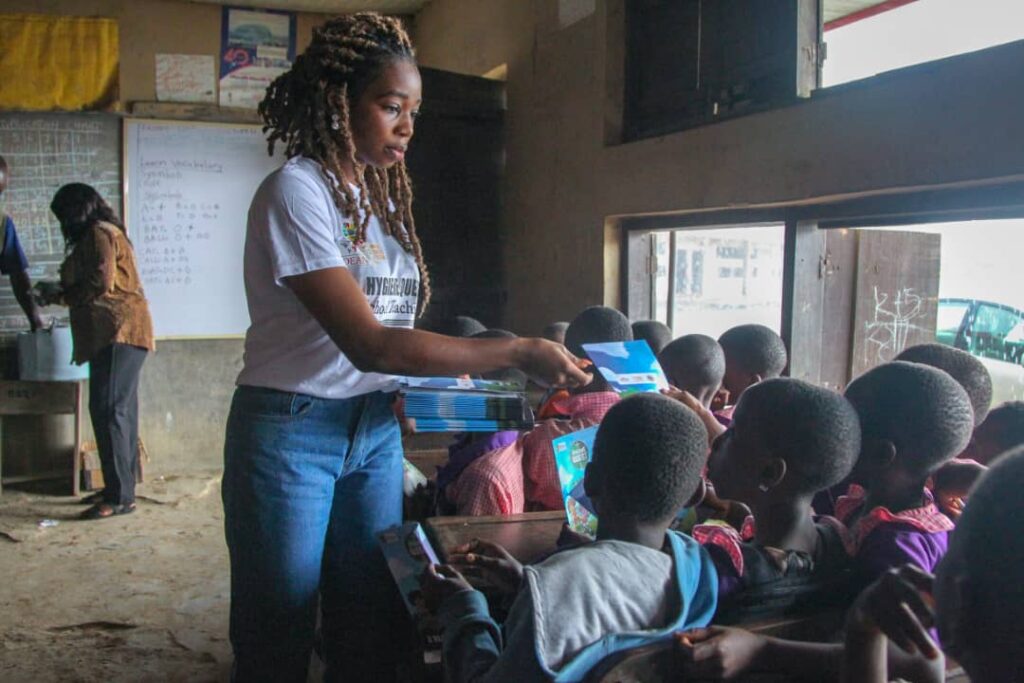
{"x":772,"y":474}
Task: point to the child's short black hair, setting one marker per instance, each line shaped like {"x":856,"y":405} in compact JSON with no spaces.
{"x":815,"y":430}
{"x":970,"y":372}
{"x":692,"y":362}
{"x":494,"y":333}
{"x":1005,"y":425}
{"x":505,"y":374}
{"x":755,"y":349}
{"x":959,"y":475}
{"x":923,"y":411}
{"x":595,"y":325}
{"x":648,"y":454}
{"x":989,"y":540}
{"x":555,"y":331}
{"x":462,"y":326}
{"x":654,"y":332}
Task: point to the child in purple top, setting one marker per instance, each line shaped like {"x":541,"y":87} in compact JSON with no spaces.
{"x":788,"y":440}
{"x":976,"y":597}
{"x":913,"y":419}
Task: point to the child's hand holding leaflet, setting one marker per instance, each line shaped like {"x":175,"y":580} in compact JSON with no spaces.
{"x":490,"y":562}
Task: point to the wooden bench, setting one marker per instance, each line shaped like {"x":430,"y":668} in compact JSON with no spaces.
{"x":43,"y":398}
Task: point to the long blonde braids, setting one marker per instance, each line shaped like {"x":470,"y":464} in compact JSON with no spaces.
{"x":346,"y":54}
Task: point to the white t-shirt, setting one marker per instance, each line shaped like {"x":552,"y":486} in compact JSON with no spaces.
{"x":294,"y":227}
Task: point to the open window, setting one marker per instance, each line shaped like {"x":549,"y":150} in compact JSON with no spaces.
{"x":706,"y":280}
{"x":869,"y":37}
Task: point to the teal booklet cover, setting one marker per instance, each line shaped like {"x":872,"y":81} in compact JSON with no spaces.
{"x":572,"y":453}
{"x":629,"y":367}
{"x":408,"y":552}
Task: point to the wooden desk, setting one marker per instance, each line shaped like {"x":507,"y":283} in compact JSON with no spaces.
{"x":528,"y":536}
{"x":43,"y":398}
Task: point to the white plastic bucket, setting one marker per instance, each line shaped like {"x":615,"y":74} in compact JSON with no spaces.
{"x":45,"y":356}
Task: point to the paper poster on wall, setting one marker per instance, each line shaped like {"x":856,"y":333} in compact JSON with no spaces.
{"x":256,"y":48}
{"x":185,"y":78}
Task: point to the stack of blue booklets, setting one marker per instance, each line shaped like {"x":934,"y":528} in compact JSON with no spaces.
{"x":455,"y":404}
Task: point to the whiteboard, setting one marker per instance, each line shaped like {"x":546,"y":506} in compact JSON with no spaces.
{"x":187,"y":192}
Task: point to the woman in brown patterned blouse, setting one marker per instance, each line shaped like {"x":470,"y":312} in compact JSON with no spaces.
{"x":112,"y":331}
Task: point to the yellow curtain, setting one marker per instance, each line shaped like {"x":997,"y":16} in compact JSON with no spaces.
{"x":56,"y":62}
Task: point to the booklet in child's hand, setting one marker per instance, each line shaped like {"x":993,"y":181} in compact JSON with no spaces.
{"x":629,"y":367}
{"x":572,"y":453}
{"x":408,"y":552}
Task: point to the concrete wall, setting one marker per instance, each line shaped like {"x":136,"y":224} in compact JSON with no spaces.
{"x":186,"y":386}
{"x":149,"y":27}
{"x":939,"y":123}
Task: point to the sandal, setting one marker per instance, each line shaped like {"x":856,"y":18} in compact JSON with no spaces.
{"x":104,"y":510}
{"x":93,"y":498}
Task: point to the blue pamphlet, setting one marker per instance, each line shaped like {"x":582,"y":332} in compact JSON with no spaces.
{"x":572,"y":454}
{"x":629,"y":367}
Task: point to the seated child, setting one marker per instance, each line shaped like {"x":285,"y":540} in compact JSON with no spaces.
{"x":951,"y":484}
{"x":461,"y":326}
{"x":555,"y":332}
{"x":694,"y":363}
{"x":636,"y":584}
{"x":977,"y":593}
{"x":966,"y":369}
{"x":654,"y":332}
{"x":470,"y":446}
{"x":522,"y":476}
{"x":752,"y":353}
{"x":1001,"y":431}
{"x":593,"y":325}
{"x":913,"y":419}
{"x":788,"y":440}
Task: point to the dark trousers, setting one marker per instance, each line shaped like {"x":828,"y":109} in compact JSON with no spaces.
{"x":114,"y":409}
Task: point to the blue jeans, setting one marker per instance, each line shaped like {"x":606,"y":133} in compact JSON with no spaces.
{"x":307,"y":484}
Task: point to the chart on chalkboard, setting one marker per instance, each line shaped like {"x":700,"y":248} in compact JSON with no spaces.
{"x":45,"y":151}
{"x":188,"y":192}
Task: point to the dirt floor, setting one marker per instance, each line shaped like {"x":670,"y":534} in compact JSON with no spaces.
{"x":141,"y":597}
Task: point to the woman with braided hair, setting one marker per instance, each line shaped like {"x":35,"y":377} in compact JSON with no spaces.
{"x":334,"y":279}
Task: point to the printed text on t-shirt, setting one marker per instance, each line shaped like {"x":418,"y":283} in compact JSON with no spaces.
{"x":391,"y":286}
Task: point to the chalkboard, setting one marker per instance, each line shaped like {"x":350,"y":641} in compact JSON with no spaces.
{"x":187,"y":192}
{"x":45,"y":151}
